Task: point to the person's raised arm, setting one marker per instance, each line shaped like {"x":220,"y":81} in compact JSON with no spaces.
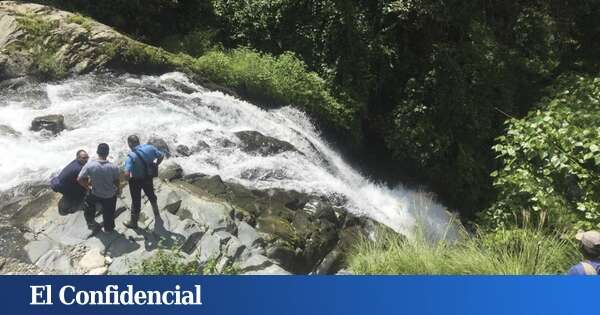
{"x":83,"y":178}
{"x":159,"y":156}
{"x":128,"y":168}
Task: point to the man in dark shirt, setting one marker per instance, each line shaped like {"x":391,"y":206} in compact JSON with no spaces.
{"x":66,"y":184}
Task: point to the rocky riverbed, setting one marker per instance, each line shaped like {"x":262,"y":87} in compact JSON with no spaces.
{"x":202,"y":218}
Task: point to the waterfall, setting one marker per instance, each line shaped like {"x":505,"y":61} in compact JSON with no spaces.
{"x":107,"y":108}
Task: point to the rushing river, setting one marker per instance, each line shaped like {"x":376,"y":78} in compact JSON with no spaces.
{"x":107,"y":108}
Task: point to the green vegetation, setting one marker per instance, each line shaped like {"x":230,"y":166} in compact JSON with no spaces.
{"x":506,"y":252}
{"x":81,"y":20}
{"x":281,"y":80}
{"x":551,"y":160}
{"x":43,"y":53}
{"x":172,"y":263}
{"x":424,"y":84}
{"x":492,"y":104}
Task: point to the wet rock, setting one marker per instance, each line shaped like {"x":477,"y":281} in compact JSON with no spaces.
{"x":334,"y":260}
{"x":257,"y":143}
{"x":161,"y":145}
{"x":213,"y":185}
{"x":52,"y":123}
{"x":283,"y":253}
{"x":200,"y":146}
{"x":183,"y":150}
{"x":169,"y":170}
{"x":278,"y":227}
{"x":8,"y":131}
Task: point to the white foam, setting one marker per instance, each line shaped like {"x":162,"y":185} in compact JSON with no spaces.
{"x":107,"y":109}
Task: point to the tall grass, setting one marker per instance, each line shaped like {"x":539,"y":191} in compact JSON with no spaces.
{"x":526,"y":251}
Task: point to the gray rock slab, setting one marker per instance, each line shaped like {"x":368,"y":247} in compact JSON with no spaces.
{"x":248,"y":235}
{"x":255,"y":263}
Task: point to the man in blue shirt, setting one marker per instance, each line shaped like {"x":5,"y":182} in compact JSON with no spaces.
{"x":590,"y":248}
{"x":66,"y":184}
{"x":141,"y":169}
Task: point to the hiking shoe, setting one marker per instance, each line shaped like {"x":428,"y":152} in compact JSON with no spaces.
{"x":95,"y":228}
{"x":131,"y":225}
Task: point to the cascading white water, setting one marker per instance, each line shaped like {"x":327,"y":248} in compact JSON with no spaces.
{"x":106,"y":108}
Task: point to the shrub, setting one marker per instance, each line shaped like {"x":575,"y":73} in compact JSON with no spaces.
{"x":281,"y":80}
{"x":505,"y":252}
{"x":550,"y":160}
{"x":166,"y":263}
{"x":173,"y":263}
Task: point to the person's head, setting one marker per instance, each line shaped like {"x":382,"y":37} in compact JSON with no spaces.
{"x":103,"y":150}
{"x":82,"y":157}
{"x":133,"y":141}
{"x":589,"y":244}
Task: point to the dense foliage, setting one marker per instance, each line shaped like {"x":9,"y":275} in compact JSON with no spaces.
{"x":426,"y":84}
{"x":551,"y":160}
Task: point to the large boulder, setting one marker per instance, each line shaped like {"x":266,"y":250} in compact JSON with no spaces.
{"x":257,"y":143}
{"x":52,"y":123}
{"x":169,"y":171}
{"x":161,"y":145}
{"x":61,"y":42}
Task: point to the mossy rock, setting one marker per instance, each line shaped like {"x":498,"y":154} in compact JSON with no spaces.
{"x":278,"y":227}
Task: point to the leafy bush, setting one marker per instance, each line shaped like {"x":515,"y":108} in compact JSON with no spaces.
{"x":166,"y":263}
{"x":551,"y":160}
{"x":505,"y":252}
{"x":281,"y":80}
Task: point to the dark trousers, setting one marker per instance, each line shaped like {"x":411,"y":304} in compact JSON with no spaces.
{"x":108,"y":210}
{"x":135,"y":189}
{"x":70,"y":203}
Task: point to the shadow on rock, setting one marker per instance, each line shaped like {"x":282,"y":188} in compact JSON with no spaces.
{"x":116,"y":244}
{"x":159,"y":236}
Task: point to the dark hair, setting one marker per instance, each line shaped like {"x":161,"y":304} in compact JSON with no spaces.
{"x":589,"y":253}
{"x":103,"y":150}
{"x":78,"y":153}
{"x":133,"y":140}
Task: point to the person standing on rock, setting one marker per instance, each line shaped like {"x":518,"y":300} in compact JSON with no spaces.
{"x":102,"y":177}
{"x":140,"y":169}
{"x":66,"y":184}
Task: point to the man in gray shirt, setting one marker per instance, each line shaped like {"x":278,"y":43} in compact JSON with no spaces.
{"x":102,"y":177}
